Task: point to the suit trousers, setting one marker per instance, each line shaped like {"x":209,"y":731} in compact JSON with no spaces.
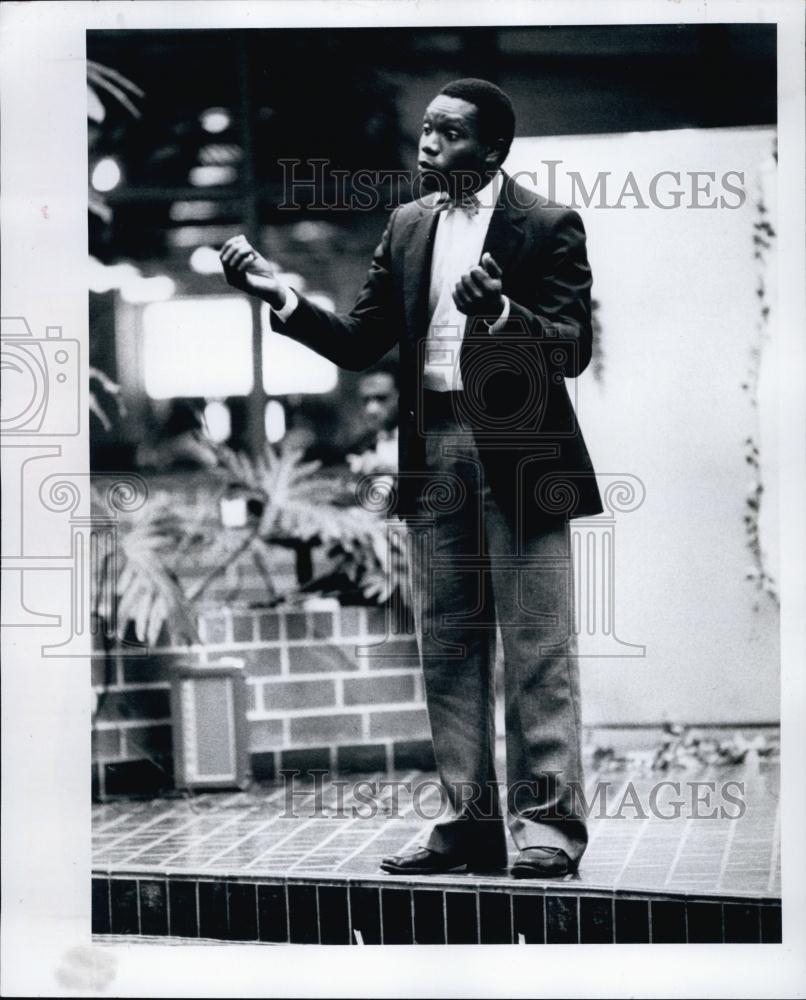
{"x":471,"y":576}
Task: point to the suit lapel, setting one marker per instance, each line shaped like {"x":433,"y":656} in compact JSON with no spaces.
{"x":504,"y":237}
{"x":505,"y":234}
{"x":503,"y":241}
{"x":417,"y":270}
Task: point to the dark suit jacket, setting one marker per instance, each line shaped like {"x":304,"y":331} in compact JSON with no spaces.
{"x":515,"y":395}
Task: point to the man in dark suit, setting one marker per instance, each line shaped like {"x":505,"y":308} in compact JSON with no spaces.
{"x":376,"y":449}
{"x":485,"y":286}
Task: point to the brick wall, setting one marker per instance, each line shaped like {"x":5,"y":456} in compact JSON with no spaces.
{"x":326,"y":689}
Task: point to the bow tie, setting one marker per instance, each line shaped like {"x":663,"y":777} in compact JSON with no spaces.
{"x":465,"y":202}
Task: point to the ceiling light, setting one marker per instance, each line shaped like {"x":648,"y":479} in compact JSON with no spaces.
{"x":213,"y":174}
{"x":215,"y":120}
{"x":106,"y":174}
{"x":156,"y":289}
{"x":190,"y":237}
{"x":204,"y":260}
{"x":218,"y":421}
{"x":192,"y":211}
{"x":220,"y":152}
{"x":274,"y":421}
{"x":105,"y":277}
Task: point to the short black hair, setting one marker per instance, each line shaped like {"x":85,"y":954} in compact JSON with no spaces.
{"x":386,"y":366}
{"x":496,"y":114}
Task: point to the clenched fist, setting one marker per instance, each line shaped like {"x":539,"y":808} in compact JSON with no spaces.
{"x":246,"y":269}
{"x":478,"y":293}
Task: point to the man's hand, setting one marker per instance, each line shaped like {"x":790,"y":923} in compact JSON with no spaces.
{"x":246,"y":269}
{"x":478,"y":293}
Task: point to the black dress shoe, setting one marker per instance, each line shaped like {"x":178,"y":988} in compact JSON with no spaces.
{"x":424,"y":861}
{"x":543,"y":862}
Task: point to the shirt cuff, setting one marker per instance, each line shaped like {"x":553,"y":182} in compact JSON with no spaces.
{"x":502,"y":319}
{"x":291,"y":303}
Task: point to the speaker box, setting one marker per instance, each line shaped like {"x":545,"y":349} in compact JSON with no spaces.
{"x":208,"y":707}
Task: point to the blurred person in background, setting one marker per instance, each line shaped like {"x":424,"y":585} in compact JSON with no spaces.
{"x":180,"y":442}
{"x":376,"y":450}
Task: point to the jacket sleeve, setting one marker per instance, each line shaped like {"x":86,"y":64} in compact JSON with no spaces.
{"x":362,"y":336}
{"x":560,"y":311}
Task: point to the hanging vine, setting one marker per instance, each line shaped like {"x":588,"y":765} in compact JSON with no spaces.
{"x":597,"y":355}
{"x":763,"y":244}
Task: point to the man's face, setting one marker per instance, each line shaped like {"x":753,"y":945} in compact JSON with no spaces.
{"x":378,"y":401}
{"x":450,"y":146}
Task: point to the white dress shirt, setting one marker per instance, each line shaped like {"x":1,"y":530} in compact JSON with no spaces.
{"x":458,"y":244}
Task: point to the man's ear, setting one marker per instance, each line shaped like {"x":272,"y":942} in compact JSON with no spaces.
{"x":496,"y":154}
